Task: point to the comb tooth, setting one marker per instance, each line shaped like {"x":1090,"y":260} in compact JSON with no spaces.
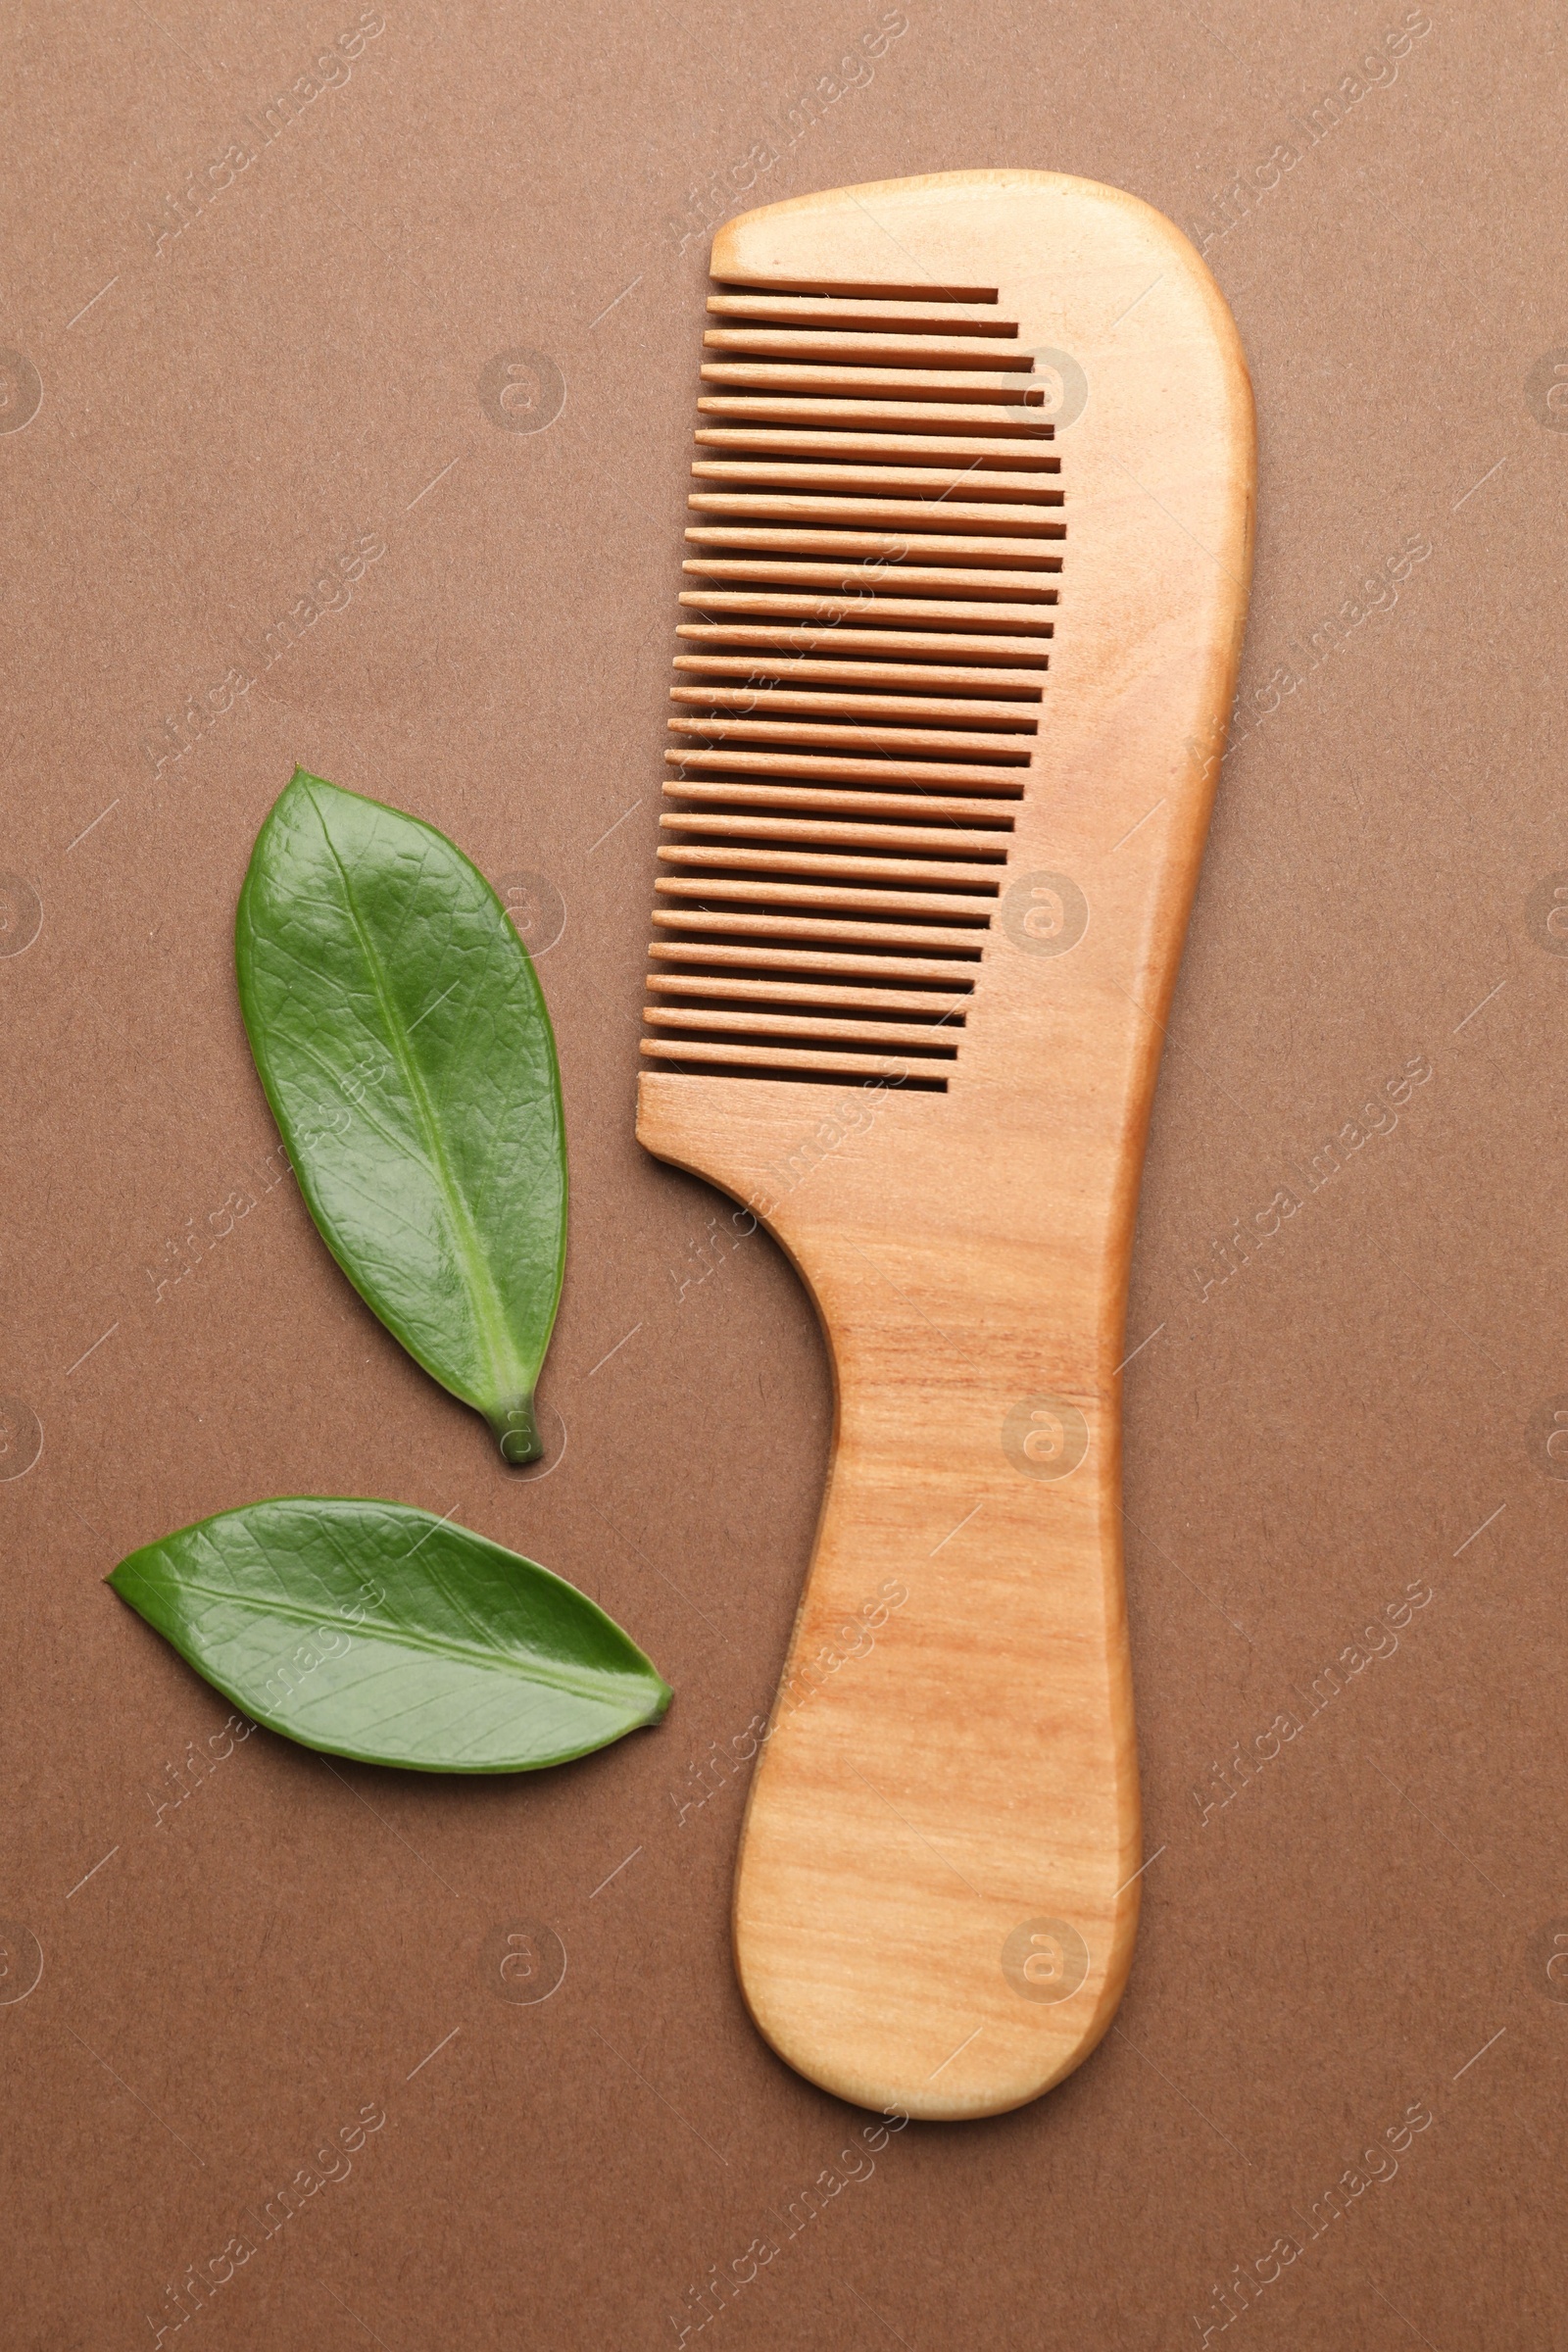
{"x":878,"y":555}
{"x":861,"y":289}
{"x":767,"y":1060}
{"x":772,"y":1061}
{"x":923,"y":517}
{"x":848,"y":770}
{"x":942,"y":355}
{"x":944,"y":1003}
{"x":814,"y":1025}
{"x":805,"y":863}
{"x":910,"y":417}
{"x":910,"y":680}
{"x":930,"y":498}
{"x":838,"y":735}
{"x":732,"y":792}
{"x":765,"y":953}
{"x":1004,"y":749}
{"x":839,"y":900}
{"x":847,"y":382}
{"x":934,"y":552}
{"x":785,"y":928}
{"x":905,"y":450}
{"x":746,"y":702}
{"x":942,"y":840}
{"x":913,"y":579}
{"x":892,"y":610}
{"x":750,"y":698}
{"x":895,"y":318}
{"x":916,"y":645}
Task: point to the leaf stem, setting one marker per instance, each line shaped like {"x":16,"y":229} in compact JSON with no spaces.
{"x":517,"y":1432}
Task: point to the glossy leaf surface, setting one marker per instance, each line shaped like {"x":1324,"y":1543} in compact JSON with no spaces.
{"x":402,"y":1037}
{"x":381,"y":1633}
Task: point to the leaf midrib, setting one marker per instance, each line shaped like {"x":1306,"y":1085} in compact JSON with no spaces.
{"x":587,"y":1683}
{"x":506,"y":1368}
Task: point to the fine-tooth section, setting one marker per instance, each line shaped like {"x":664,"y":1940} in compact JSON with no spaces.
{"x":874,"y":554}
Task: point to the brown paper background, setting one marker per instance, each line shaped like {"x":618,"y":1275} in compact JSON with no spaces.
{"x":303,"y":365}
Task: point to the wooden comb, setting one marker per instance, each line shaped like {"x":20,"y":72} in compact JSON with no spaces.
{"x":966,"y":579}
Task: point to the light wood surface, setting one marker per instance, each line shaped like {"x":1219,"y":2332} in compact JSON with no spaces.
{"x":926,"y":867}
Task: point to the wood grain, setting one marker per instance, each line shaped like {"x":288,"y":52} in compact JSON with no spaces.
{"x":937,"y":1893}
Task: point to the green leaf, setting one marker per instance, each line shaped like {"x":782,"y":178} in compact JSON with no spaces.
{"x":402,"y":1037}
{"x":374,"y":1630}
